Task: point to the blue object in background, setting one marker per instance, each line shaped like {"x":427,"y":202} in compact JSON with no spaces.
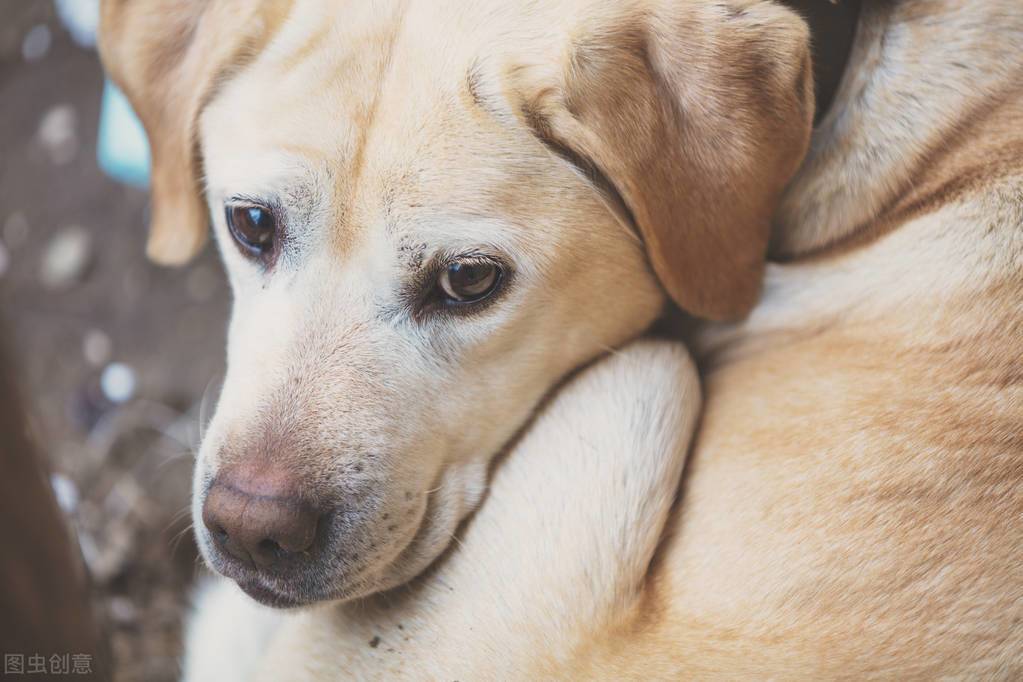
{"x":122,"y":149}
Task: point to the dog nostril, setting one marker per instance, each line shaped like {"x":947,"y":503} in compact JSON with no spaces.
{"x":219,"y":534}
{"x":270,"y":551}
{"x":270,"y":547}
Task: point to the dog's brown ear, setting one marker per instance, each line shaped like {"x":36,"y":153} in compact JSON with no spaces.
{"x":167,"y":56}
{"x":696,"y":114}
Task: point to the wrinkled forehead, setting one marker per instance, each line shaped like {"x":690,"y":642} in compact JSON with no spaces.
{"x":368,"y":103}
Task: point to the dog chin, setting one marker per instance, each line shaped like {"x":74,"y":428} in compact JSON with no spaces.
{"x":280,"y":592}
{"x":274,"y":597}
{"x":270,"y":597}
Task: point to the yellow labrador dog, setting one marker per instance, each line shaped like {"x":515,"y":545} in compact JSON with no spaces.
{"x":431,"y":212}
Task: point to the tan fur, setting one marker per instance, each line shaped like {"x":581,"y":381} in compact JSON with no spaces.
{"x":675,"y":122}
{"x":851,"y":507}
{"x":727,"y":113}
{"x":390,"y":135}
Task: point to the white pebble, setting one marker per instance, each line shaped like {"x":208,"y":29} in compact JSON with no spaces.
{"x":65,"y":491}
{"x":58,"y":133}
{"x":66,"y":258}
{"x":96,"y":347}
{"x":122,"y":610}
{"x":36,"y":43}
{"x":118,"y":382}
{"x":90,"y":551}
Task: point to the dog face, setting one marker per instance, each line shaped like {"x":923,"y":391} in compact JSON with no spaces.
{"x":431,"y":271}
{"x":430,"y":214}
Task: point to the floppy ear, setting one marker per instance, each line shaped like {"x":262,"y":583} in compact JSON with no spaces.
{"x":695,"y":114}
{"x":167,"y":56}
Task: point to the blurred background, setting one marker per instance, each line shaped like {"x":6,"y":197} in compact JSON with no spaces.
{"x":117,"y":359}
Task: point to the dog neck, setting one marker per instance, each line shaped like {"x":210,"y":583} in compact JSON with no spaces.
{"x":832,"y":31}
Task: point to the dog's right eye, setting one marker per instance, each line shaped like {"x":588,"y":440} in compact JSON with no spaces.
{"x":253,"y":227}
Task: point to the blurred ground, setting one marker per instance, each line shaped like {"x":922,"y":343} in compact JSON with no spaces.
{"x":77,"y":295}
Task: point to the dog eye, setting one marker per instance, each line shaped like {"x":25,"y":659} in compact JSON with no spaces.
{"x":253,"y":227}
{"x":467,"y":281}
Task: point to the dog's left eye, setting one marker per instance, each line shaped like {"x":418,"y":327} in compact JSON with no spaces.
{"x":470,"y":280}
{"x":253,"y":227}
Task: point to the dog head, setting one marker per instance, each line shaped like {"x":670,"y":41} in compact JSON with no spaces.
{"x":430,"y":212}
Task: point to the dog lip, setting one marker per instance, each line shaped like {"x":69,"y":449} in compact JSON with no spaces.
{"x":254,"y":587}
{"x":268,"y":597}
{"x":254,"y":583}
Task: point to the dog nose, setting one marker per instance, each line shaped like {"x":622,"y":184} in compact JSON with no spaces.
{"x":258,"y":520}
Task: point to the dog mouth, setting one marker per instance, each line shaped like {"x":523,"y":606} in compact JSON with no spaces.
{"x":270,"y":597}
{"x":281,"y":591}
{"x":294,"y":592}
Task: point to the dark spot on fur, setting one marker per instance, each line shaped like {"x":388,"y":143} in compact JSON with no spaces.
{"x":414,"y":254}
{"x":374,"y":643}
{"x":392,"y":528}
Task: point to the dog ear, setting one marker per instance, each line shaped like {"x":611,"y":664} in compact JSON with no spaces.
{"x":695,"y":114}
{"x":168,"y":57}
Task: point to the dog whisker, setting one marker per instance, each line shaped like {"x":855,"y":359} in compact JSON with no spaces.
{"x":205,"y":407}
{"x":178,"y":538}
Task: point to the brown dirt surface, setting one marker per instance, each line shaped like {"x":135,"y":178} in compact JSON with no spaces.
{"x":128,"y":464}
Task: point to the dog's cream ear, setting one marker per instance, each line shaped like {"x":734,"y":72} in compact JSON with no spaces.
{"x":167,"y":56}
{"x":696,"y":114}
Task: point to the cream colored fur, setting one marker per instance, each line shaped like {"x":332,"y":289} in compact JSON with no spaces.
{"x":852,"y":502}
{"x":557,"y":553}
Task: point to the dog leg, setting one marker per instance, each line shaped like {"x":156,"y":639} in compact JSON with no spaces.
{"x":555,"y":556}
